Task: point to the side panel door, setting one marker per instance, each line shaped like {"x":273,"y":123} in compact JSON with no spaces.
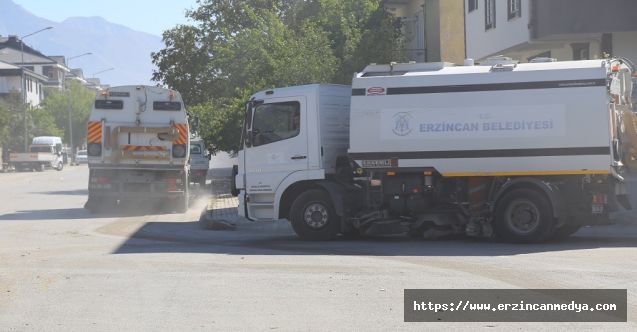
{"x":276,"y":147}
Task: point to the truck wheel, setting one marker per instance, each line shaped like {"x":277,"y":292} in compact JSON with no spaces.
{"x":525,"y":216}
{"x":313,"y":216}
{"x":565,"y":231}
{"x":60,"y":166}
{"x":233,"y":181}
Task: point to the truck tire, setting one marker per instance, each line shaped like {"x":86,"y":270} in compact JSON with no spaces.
{"x":60,"y":166}
{"x":233,"y":181}
{"x":524,"y":216}
{"x":313,"y":217}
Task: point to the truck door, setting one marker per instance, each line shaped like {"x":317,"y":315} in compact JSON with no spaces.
{"x":275,"y":147}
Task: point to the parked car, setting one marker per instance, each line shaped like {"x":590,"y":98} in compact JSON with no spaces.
{"x":81,"y":157}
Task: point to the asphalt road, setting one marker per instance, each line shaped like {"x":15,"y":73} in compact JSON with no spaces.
{"x":64,"y":269}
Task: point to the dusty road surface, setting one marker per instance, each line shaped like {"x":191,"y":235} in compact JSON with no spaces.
{"x":64,"y":269}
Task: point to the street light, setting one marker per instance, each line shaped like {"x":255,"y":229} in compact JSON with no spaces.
{"x":103,"y":71}
{"x":24,"y":85}
{"x":68,"y":64}
{"x":25,"y":36}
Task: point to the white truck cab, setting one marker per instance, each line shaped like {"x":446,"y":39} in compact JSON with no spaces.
{"x":287,"y":141}
{"x":199,"y":161}
{"x":44,"y":152}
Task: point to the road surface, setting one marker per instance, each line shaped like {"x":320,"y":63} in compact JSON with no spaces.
{"x":64,"y":269}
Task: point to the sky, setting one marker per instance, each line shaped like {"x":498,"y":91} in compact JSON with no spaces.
{"x":152,"y":16}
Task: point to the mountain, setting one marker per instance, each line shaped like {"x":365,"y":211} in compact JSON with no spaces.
{"x":112,"y":45}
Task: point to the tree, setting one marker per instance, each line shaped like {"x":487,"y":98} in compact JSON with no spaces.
{"x":235,"y":48}
{"x":13,"y":112}
{"x":76,"y":97}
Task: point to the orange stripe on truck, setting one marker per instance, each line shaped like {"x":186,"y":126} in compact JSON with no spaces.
{"x":143,"y":148}
{"x":182,"y":133}
{"x":94,"y":132}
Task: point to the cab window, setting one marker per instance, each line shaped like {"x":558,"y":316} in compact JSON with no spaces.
{"x":275,"y":122}
{"x":35,"y":149}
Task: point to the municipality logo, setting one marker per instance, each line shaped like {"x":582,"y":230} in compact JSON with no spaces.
{"x":402,"y":124}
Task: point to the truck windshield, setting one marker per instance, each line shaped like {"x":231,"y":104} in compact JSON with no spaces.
{"x":275,"y":122}
{"x":195,"y":149}
{"x":40,"y":149}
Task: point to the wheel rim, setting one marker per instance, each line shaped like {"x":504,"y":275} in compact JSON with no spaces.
{"x":522,"y":216}
{"x":315,"y":215}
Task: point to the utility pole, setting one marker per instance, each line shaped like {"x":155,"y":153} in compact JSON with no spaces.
{"x":68,"y":64}
{"x":24,"y":86}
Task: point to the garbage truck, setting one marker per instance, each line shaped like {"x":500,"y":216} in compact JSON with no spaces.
{"x":138,"y":145}
{"x":522,"y":152}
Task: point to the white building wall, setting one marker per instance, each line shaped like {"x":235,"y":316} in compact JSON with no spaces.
{"x":14,"y":84}
{"x":33,"y":92}
{"x":482,"y":43}
{"x":9,"y":84}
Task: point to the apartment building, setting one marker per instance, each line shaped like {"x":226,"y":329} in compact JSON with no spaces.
{"x":22,"y":81}
{"x":11,"y":51}
{"x":564,"y":29}
{"x":433,"y":30}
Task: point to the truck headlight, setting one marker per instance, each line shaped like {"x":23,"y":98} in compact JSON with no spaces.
{"x":94,"y":150}
{"x":179,"y":151}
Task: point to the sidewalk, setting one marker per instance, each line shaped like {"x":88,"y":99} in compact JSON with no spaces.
{"x":221,"y":212}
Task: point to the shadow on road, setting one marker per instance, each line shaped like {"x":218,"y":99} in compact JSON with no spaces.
{"x":51,"y":214}
{"x":79,"y":192}
{"x":278,"y":239}
{"x":137,"y":209}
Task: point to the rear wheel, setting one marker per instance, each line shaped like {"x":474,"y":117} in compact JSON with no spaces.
{"x":313,"y":217}
{"x":233,"y":181}
{"x":524,"y":215}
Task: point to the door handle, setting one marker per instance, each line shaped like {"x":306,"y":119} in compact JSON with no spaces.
{"x":298,"y":157}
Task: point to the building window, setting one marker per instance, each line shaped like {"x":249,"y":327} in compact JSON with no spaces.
{"x":473,"y":5}
{"x":581,"y":51}
{"x":489,"y":14}
{"x":515,"y":9}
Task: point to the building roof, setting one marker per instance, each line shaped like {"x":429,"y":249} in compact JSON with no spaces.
{"x":7,"y":69}
{"x":5,"y":65}
{"x":12,"y":51}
